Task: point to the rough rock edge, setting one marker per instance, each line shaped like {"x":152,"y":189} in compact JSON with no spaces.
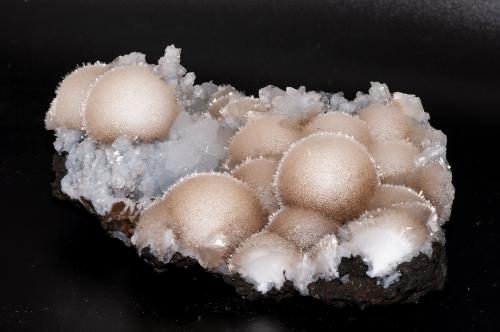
{"x":116,"y":221}
{"x":418,"y":277}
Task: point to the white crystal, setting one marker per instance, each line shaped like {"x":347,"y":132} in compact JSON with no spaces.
{"x":106,"y":174}
{"x":296,"y":104}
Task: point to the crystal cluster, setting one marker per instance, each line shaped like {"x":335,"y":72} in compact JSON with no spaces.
{"x":272,"y":190}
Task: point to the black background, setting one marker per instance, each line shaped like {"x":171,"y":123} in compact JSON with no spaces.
{"x":60,"y":272}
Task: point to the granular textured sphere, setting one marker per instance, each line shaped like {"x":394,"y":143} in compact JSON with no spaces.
{"x":259,"y":175}
{"x":339,"y":122}
{"x":302,"y":227}
{"x":329,"y":173}
{"x":210,"y":214}
{"x":263,"y":136}
{"x":66,"y":109}
{"x":396,"y":161}
{"x":434,"y":180}
{"x":130,"y":101}
{"x":386,"y":122}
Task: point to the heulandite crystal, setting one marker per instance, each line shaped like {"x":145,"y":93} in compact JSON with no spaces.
{"x":290,"y":192}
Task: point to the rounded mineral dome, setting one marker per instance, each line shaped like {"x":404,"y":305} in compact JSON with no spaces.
{"x":434,"y":180}
{"x":386,"y":122}
{"x":130,"y":101}
{"x":396,"y":161}
{"x":65,"y":110}
{"x":300,"y":226}
{"x":259,"y":175}
{"x":339,"y":122}
{"x":263,"y":136}
{"x":210,"y":214}
{"x":329,"y":173}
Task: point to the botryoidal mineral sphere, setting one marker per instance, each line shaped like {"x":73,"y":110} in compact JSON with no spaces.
{"x":209,"y":215}
{"x":66,"y":108}
{"x":130,"y":101}
{"x":329,"y":173}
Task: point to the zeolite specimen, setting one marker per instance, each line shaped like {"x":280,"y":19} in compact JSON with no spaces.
{"x":291,"y":192}
{"x":302,"y":227}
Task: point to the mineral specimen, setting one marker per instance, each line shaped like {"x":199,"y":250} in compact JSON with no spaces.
{"x":291,"y":192}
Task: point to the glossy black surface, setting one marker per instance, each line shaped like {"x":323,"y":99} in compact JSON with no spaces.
{"x":60,"y":272}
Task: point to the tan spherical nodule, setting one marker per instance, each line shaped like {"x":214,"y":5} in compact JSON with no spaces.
{"x":301,"y":226}
{"x":65,"y":110}
{"x":220,"y":99}
{"x":130,"y":101}
{"x":386,"y":122}
{"x":210,"y":214}
{"x":339,"y":122}
{"x":329,"y":173}
{"x":396,"y":161}
{"x":263,"y":136}
{"x":388,"y":195}
{"x":434,"y":180}
{"x":259,"y":175}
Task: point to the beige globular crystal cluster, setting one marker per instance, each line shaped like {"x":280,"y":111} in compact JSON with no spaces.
{"x":107,"y":103}
{"x":202,"y":220}
{"x":130,"y":101}
{"x":305,"y":179}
